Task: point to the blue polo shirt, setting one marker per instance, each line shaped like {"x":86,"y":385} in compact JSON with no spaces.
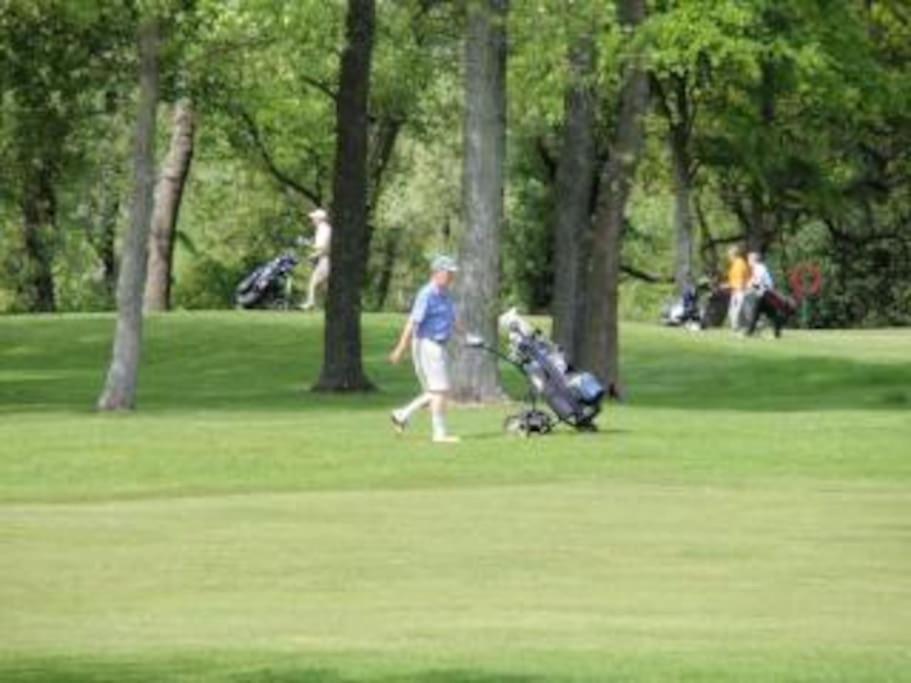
{"x":433,"y":313}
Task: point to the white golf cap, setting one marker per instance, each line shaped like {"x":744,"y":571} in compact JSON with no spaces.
{"x":443,"y":262}
{"x":318,"y":214}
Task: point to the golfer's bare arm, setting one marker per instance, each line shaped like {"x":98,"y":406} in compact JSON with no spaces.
{"x":404,"y":342}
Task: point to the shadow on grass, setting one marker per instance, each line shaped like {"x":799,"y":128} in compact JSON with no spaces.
{"x":732,"y":381}
{"x":66,"y":670}
{"x":267,"y":362}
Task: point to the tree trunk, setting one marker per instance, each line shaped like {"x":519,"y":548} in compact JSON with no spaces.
{"x":601,"y":346}
{"x":342,"y":364}
{"x":387,"y":269}
{"x":120,"y":387}
{"x":683,"y":213}
{"x":168,"y":195}
{"x":762,"y":224}
{"x":476,"y":375}
{"x":573,"y":188}
{"x":39,"y":208}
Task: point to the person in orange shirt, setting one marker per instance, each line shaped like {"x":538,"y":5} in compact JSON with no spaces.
{"x":738,"y":281}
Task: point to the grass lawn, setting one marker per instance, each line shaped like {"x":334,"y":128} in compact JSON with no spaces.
{"x":745,"y":516}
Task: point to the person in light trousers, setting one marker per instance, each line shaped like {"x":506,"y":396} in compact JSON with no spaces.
{"x":430,"y":326}
{"x":320,"y":256}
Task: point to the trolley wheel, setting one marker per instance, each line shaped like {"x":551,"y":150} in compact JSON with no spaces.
{"x":515,"y":425}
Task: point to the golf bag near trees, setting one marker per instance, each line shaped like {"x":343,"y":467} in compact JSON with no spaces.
{"x":574,"y":397}
{"x":268,"y":286}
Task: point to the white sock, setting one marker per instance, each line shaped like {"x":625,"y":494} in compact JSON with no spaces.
{"x":439,"y":425}
{"x":413,"y":407}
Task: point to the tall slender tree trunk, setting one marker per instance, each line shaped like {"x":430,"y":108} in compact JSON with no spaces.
{"x":762,"y":225}
{"x":476,"y":376}
{"x":168,"y":195}
{"x":683,"y":212}
{"x":601,"y":346}
{"x":120,"y":386}
{"x":342,"y":364}
{"x":573,"y":188}
{"x":390,"y":256}
{"x":673,"y":101}
{"x":103,"y":240}
{"x":39,"y":211}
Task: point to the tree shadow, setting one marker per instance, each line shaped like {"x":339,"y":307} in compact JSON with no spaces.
{"x":733,"y":381}
{"x":268,"y":362}
{"x":96,"y":670}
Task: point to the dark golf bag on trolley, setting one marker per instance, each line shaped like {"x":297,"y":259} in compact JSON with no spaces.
{"x":267,"y":286}
{"x":574,"y":397}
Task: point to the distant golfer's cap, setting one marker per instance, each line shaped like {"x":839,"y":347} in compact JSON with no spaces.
{"x":446,"y":263}
{"x":318,"y":214}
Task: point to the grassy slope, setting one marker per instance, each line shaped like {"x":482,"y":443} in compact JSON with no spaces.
{"x":744,"y":516}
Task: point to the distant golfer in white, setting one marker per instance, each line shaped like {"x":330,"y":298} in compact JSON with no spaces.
{"x":320,"y":256}
{"x":429,"y":328}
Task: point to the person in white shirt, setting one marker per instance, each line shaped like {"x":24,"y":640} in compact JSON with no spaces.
{"x":320,"y":256}
{"x":760,"y":278}
{"x":763,"y":288}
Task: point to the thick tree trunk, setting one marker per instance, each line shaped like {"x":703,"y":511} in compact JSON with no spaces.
{"x":120,"y":387}
{"x":601,"y":346}
{"x":342,"y":364}
{"x":168,"y":195}
{"x":573,"y":189}
{"x":39,"y":208}
{"x":476,"y":375}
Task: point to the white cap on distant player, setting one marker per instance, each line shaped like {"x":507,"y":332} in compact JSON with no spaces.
{"x":443,"y":262}
{"x":318,"y":214}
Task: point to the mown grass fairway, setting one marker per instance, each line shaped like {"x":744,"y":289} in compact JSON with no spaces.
{"x":745,"y":516}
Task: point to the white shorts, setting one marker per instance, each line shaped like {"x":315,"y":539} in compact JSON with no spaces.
{"x":321,"y":270}
{"x":431,"y":363}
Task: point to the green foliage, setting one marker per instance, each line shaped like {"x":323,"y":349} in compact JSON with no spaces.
{"x":797,"y":133}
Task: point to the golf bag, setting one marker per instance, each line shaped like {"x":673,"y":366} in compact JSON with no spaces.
{"x":683,"y":311}
{"x":715,"y":310}
{"x":574,"y":397}
{"x":268,"y":285}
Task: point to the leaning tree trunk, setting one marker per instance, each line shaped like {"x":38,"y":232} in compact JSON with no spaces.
{"x":476,"y":376}
{"x":573,"y":188}
{"x":342,"y":364}
{"x":120,"y":387}
{"x":601,"y":345}
{"x":39,"y":209}
{"x":168,"y":195}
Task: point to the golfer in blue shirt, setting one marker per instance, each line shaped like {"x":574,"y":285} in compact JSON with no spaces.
{"x":430,"y":326}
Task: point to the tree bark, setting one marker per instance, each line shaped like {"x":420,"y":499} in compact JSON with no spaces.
{"x":573,"y":186}
{"x":168,"y":195}
{"x":476,"y":375}
{"x":39,"y":208}
{"x":683,"y":211}
{"x":120,"y":386}
{"x":673,"y":100}
{"x":342,"y":364}
{"x":762,"y":225}
{"x":103,"y":239}
{"x":390,"y":256}
{"x":601,"y":346}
